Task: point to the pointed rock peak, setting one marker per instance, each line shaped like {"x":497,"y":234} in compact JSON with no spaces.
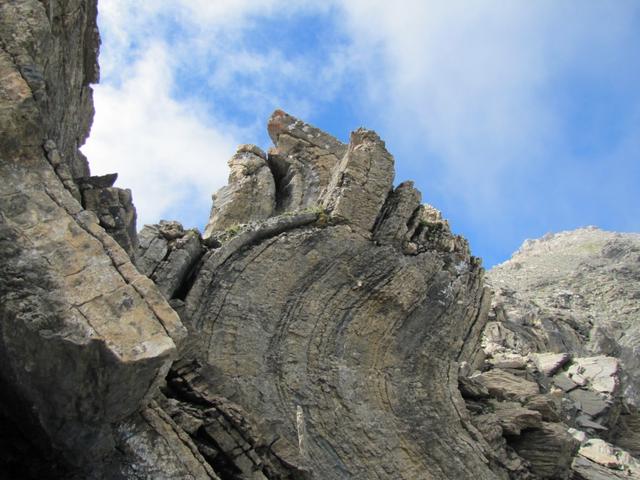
{"x":249,"y":194}
{"x":250,"y":148}
{"x":364,"y":137}
{"x":361,"y":181}
{"x":281,"y":124}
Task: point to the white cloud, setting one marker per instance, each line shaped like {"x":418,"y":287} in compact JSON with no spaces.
{"x":171,"y":151}
{"x":465,"y":91}
{"x":473,"y":81}
{"x":167,"y":152}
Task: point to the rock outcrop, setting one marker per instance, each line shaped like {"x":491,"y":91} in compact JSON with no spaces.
{"x":250,"y":194}
{"x":85,"y":339}
{"x":561,"y":339}
{"x":326,"y":325}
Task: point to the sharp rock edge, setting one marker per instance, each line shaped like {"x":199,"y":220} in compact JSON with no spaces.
{"x":325,"y":325}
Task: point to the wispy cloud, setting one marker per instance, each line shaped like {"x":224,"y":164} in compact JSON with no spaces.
{"x":507,"y":113}
{"x":184,"y":82}
{"x":167,"y":152}
{"x":485,"y":94}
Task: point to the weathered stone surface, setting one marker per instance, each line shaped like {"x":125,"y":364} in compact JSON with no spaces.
{"x":153,"y":447}
{"x":116,"y":213}
{"x":585,"y":469}
{"x":589,"y":402}
{"x":550,"y":363}
{"x":334,"y":321}
{"x":361,"y":181}
{"x":302,"y":162}
{"x":167,"y":254}
{"x":395,"y":218}
{"x":549,"y":450}
{"x":514,"y":418}
{"x":575,"y":292}
{"x":605,"y":454}
{"x":472,"y":388}
{"x":250,"y":194}
{"x":333,"y":280}
{"x":599,"y":373}
{"x":506,"y":386}
{"x":507,"y":360}
{"x":626,"y":433}
{"x":549,"y":405}
{"x":84,"y":339}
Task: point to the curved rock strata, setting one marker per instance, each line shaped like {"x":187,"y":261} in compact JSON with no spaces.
{"x":335,"y":327}
{"x":342,"y":348}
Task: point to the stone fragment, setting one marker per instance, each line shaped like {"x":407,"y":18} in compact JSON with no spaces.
{"x":548,"y":405}
{"x":506,"y":386}
{"x":514,"y":418}
{"x":550,"y":363}
{"x":589,"y":402}
{"x":562,"y":381}
{"x":250,"y":194}
{"x":167,"y":254}
{"x":392,"y":226}
{"x":116,"y":212}
{"x":600,"y":373}
{"x":549,"y":450}
{"x":585,"y":469}
{"x":361,"y":181}
{"x":578,"y":435}
{"x":428,"y":230}
{"x":607,"y":455}
{"x":472,"y":388}
{"x":585,"y":421}
{"x":154,"y":447}
{"x":508,"y":360}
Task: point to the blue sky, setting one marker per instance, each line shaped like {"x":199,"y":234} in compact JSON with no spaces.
{"x":514,"y":118}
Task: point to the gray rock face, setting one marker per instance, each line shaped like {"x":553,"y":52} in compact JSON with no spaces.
{"x":250,"y":194}
{"x":567,"y":305}
{"x":576,"y":292}
{"x":167,"y":254}
{"x":361,"y":181}
{"x":115,"y":211}
{"x":84,"y":338}
{"x":337,"y":328}
{"x":303,"y":161}
{"x":333,"y":352}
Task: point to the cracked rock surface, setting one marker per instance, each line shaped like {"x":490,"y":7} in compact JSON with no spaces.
{"x":327,"y":325}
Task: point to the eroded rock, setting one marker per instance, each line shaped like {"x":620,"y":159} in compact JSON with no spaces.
{"x":250,"y":194}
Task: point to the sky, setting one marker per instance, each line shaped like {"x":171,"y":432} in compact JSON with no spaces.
{"x":514,"y":118}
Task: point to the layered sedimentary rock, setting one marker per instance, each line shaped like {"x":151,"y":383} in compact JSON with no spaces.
{"x":335,"y":327}
{"x":250,"y":194}
{"x":303,"y":161}
{"x":325,"y":335}
{"x":84,"y":338}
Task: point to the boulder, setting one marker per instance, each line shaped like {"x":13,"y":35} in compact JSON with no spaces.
{"x":549,"y":450}
{"x":507,"y":386}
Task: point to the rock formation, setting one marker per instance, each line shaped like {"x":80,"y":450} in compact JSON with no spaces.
{"x":326,"y":325}
{"x":562,"y":340}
